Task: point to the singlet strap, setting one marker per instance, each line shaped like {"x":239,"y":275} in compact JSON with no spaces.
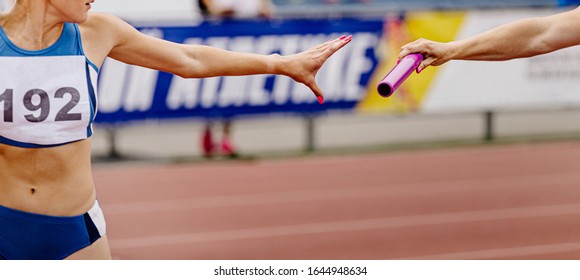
{"x":80,"y":46}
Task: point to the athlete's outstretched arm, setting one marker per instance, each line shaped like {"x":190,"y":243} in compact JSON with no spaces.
{"x":196,"y":61}
{"x":524,"y":38}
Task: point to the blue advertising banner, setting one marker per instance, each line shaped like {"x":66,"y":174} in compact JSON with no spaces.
{"x":129,"y":93}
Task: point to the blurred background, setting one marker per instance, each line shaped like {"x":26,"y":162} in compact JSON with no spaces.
{"x":146,"y":114}
{"x":471,"y":160}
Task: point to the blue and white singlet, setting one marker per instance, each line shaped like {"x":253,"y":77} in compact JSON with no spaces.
{"x":47,"y":97}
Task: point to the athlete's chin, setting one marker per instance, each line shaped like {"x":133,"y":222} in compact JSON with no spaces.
{"x":81,"y":18}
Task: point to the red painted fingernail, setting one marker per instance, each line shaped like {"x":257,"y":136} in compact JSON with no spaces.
{"x":419,"y":69}
{"x":398,"y":61}
{"x":342,"y":37}
{"x":320,"y":99}
{"x":349,"y":37}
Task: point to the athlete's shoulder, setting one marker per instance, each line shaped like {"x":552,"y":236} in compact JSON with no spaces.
{"x":102,"y":21}
{"x":105,"y":26}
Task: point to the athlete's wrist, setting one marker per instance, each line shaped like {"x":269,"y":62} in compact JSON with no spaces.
{"x":275,"y":64}
{"x":455,"y":51}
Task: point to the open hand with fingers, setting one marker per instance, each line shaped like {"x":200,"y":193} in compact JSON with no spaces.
{"x":303,"y":67}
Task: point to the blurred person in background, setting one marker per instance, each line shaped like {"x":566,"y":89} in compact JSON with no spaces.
{"x":237,"y":9}
{"x":229,"y":9}
{"x":51,"y":52}
{"x":520,"y":39}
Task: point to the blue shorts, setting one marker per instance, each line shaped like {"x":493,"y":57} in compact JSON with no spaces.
{"x":29,"y":236}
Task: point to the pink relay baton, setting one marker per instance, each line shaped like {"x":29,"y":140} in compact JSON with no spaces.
{"x":399,"y":73}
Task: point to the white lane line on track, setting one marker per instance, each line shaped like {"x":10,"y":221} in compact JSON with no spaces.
{"x":504,"y":253}
{"x":346,"y":226}
{"x":331,"y":194}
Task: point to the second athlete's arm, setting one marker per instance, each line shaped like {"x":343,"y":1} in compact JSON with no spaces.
{"x":524,"y":38}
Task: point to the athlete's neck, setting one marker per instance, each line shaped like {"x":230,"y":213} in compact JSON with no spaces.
{"x":32,"y":25}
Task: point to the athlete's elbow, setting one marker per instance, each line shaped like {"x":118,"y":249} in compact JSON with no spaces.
{"x":189,"y":71}
{"x":544,"y":37}
{"x":542,"y":46}
{"x":184,"y":73}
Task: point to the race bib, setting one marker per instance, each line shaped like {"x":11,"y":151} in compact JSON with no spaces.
{"x":44,"y":100}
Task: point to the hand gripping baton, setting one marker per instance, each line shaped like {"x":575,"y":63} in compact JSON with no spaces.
{"x":399,"y":73}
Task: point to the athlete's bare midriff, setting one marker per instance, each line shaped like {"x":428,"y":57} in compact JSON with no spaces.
{"x":52,"y":181}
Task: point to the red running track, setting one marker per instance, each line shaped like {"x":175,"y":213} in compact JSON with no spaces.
{"x":491,"y":202}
